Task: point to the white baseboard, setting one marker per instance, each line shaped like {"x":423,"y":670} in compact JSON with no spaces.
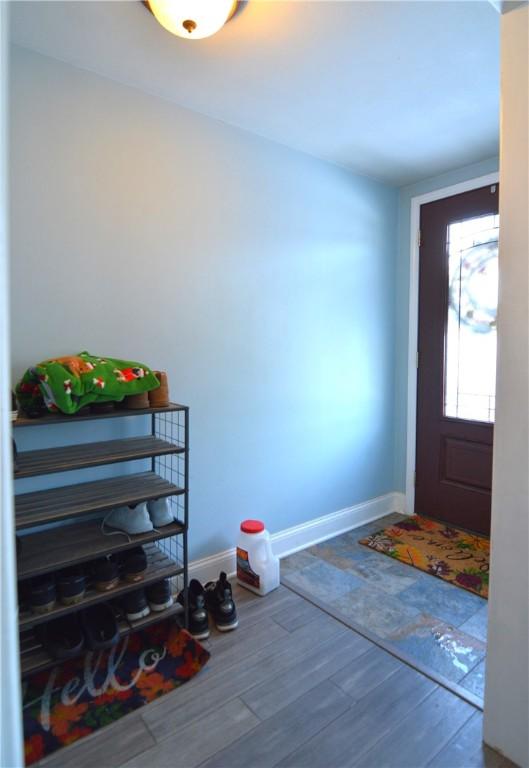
{"x":208,"y":568}
{"x":304,"y":535}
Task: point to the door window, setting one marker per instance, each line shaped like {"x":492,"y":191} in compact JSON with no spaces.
{"x":470,"y":343}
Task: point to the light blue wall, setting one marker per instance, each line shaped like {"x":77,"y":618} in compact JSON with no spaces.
{"x":402,"y":296}
{"x":262,"y":280}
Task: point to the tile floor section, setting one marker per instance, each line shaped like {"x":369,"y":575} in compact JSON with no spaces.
{"x":440,"y":625}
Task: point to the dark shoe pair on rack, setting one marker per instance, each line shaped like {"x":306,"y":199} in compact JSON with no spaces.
{"x":95,"y":628}
{"x":129,"y":566}
{"x":68,"y":587}
{"x":156,"y":597}
{"x":214,"y":599}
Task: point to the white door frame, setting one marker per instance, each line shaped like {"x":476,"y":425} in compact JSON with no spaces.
{"x":413,"y":317}
{"x":11,"y":740}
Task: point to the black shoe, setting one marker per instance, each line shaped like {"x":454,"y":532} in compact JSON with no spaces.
{"x":14,"y":408}
{"x":24,"y":595}
{"x":220,"y":604}
{"x":99,"y":626}
{"x":136,"y":606}
{"x":71,"y":585}
{"x":15,"y":457}
{"x":42,"y":595}
{"x":106,"y":574}
{"x":159,"y":595}
{"x":198,"y":615}
{"x":35,"y":411}
{"x":134,"y":564}
{"x":61,"y":638}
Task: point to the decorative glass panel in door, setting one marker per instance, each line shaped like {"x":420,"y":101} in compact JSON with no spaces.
{"x":470,"y":346}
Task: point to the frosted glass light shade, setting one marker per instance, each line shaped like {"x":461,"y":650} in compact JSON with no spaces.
{"x":192,"y":19}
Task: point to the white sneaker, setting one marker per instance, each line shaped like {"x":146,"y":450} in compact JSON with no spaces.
{"x":160,"y":512}
{"x":130,"y":520}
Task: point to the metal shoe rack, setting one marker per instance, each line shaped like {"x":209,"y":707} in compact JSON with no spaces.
{"x":76,"y":536}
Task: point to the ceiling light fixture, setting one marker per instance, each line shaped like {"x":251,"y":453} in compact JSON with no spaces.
{"x":192,"y":19}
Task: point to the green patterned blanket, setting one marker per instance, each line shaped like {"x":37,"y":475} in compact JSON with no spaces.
{"x":69,"y":383}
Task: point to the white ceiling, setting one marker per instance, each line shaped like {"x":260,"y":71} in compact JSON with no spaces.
{"x":396,"y":90}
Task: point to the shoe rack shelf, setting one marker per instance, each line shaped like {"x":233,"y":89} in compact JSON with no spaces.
{"x":49,"y":419}
{"x":71,"y":501}
{"x":76,"y":537}
{"x":53,"y":550}
{"x":46,"y":462}
{"x":33,"y":657}
{"x":159,"y":566}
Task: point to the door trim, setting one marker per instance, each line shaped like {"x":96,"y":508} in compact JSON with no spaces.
{"x":413,"y":317}
{"x":11,"y":732}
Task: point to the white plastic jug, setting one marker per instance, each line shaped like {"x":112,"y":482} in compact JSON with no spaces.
{"x":257,"y":566}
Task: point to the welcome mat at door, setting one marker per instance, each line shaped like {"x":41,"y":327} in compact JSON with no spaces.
{"x":453,"y":555}
{"x":79,"y":696}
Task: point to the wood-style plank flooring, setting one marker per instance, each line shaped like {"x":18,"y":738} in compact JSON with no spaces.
{"x":294,"y":687}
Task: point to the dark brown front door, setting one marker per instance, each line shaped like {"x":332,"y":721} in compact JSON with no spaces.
{"x":458,"y":273}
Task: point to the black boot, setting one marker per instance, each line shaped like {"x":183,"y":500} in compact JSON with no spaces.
{"x":220,"y":604}
{"x":198,"y":615}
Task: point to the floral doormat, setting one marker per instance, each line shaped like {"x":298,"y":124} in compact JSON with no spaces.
{"x":79,"y":696}
{"x":453,"y":555}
